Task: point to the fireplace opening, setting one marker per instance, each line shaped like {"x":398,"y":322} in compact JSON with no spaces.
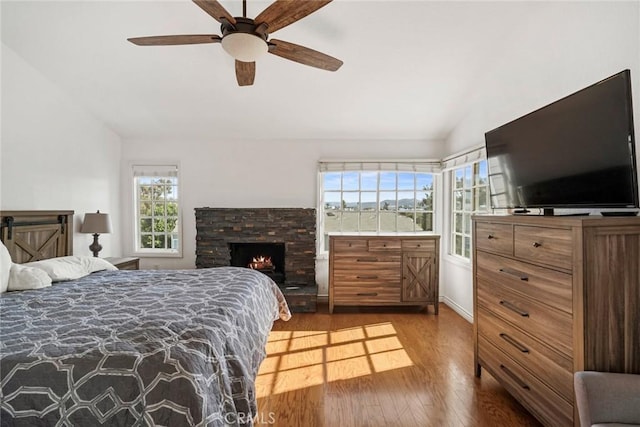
{"x":268,"y":258}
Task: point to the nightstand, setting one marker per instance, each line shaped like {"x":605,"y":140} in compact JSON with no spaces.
{"x":127,"y":263}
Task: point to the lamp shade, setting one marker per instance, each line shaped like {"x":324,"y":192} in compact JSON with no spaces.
{"x":96,"y":223}
{"x":244,"y":47}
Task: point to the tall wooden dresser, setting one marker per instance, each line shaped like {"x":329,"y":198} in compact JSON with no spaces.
{"x":383,"y":270}
{"x":554,"y":295}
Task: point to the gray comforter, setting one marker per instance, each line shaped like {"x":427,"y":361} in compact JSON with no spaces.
{"x":137,"y":348}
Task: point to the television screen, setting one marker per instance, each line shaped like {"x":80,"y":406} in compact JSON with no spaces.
{"x":578,"y":152}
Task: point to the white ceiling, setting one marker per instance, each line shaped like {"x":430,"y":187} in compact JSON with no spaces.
{"x":408,"y":67}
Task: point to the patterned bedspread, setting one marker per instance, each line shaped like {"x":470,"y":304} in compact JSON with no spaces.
{"x":137,"y":348}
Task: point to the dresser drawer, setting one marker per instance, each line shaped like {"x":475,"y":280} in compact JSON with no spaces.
{"x":350,"y":246}
{"x":548,"y":286}
{"x":554,"y":370}
{"x":544,"y":323}
{"x":494,"y":237}
{"x":366,"y":295}
{"x":550,"y":407}
{"x":367,"y":262}
{"x":419,"y":245}
{"x":384,"y":245}
{"x":551,"y":246}
{"x":364,"y":277}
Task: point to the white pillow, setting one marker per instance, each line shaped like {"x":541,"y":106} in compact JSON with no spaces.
{"x":5,"y":267}
{"x":71,"y":267}
{"x":23,"y":278}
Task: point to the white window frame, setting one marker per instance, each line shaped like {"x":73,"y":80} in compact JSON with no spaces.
{"x":156,"y":170}
{"x":472,"y":190}
{"x":432,"y":167}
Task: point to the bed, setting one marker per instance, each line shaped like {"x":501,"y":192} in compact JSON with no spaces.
{"x":155,"y":347}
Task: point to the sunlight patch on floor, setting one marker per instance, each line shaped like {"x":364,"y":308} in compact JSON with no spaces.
{"x":301,"y":359}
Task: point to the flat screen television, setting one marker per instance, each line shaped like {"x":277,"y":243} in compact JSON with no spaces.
{"x":577,"y":152}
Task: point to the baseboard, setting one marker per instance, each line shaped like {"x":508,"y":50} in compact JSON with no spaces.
{"x":458,"y":309}
{"x":323,"y":299}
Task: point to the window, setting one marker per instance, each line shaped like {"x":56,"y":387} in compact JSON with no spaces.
{"x":375,"y":200}
{"x":470,"y":196}
{"x":157,"y":210}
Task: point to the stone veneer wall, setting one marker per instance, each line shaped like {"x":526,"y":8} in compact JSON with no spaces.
{"x":295,"y":227}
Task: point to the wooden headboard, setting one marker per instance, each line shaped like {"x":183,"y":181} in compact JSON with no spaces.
{"x":36,"y":235}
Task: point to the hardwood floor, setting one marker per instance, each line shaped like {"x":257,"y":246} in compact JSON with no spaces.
{"x":377,"y":369}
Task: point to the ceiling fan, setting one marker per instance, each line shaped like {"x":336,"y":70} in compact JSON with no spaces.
{"x":246,"y":39}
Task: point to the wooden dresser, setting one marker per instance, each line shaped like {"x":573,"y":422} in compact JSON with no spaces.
{"x":554,"y":295}
{"x":383,"y":270}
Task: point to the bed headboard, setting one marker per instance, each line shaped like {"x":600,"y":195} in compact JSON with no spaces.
{"x":36,"y":235}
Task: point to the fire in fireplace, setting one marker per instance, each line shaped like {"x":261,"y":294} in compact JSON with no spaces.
{"x":261,"y":263}
{"x":268,"y":258}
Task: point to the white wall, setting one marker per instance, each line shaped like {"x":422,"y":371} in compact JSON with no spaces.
{"x":559,"y":49}
{"x":54,"y":154}
{"x":236,"y":174}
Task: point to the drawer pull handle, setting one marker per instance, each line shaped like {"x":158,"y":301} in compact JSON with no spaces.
{"x":516,"y":273}
{"x":537,"y":244}
{"x":367,"y":277}
{"x":367,"y":294}
{"x":514,"y":343}
{"x":513,"y":308}
{"x":514,"y":377}
{"x":370,"y":259}
{"x":490,"y":236}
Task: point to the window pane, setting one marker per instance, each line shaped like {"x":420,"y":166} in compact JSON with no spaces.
{"x":406,"y":200}
{"x":424,"y":181}
{"x":424,"y":221}
{"x":145,"y":192}
{"x":145,"y":209}
{"x":368,"y":221}
{"x":350,"y":221}
{"x":332,"y":220}
{"x":351,"y":201}
{"x":458,"y":222}
{"x":458,"y":245}
{"x":350,"y":181}
{"x":481,"y":197}
{"x":387,"y":201}
{"x":159,"y":225}
{"x":467,"y":200}
{"x":459,"y":178}
{"x":145,"y":241}
{"x":159,"y":241}
{"x":172,"y":224}
{"x":388,"y":180}
{"x":172,"y":192}
{"x":468,"y":174}
{"x":369,"y":181}
{"x":427,"y":201}
{"x":406,"y":181}
{"x":466,"y":218}
{"x":145,"y":225}
{"x":174,"y":243}
{"x":158,"y":209}
{"x":368,"y":201}
{"x":332,"y":200}
{"x":467,"y":246}
{"x":458,"y":200}
{"x":387,"y":221}
{"x":482,"y":173}
{"x":331,"y":180}
{"x":406,"y":221}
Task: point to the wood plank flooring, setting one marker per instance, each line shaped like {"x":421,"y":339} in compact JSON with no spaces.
{"x":377,"y":369}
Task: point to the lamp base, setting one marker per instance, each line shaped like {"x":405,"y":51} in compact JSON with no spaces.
{"x":95,"y":246}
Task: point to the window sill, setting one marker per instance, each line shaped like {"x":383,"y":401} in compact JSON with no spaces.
{"x":157,"y":254}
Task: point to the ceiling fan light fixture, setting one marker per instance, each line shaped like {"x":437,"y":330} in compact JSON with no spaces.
{"x":244,"y":47}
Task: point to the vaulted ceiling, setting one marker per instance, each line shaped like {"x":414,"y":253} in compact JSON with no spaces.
{"x":409,"y":66}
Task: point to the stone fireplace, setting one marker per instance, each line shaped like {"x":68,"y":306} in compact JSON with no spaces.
{"x":222,"y":233}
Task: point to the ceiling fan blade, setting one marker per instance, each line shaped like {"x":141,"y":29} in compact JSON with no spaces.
{"x":284,"y":12}
{"x":245,"y":73}
{"x":303,"y":55}
{"x":216,"y":10}
{"x":175,"y":40}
